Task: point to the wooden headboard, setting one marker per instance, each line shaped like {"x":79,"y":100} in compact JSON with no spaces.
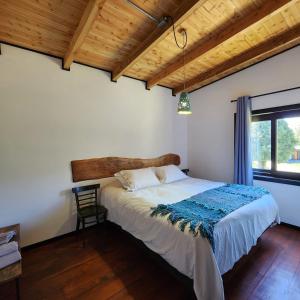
{"x":97,"y":168}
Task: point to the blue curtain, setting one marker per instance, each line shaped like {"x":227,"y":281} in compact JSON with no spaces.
{"x":243,"y":173}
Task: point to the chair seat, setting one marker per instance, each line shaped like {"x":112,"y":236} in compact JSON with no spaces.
{"x":90,"y":211}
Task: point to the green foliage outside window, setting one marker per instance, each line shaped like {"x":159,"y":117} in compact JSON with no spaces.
{"x":287,"y":139}
{"x":261,"y":143}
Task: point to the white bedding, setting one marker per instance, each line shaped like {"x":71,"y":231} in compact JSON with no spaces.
{"x":234,"y":235}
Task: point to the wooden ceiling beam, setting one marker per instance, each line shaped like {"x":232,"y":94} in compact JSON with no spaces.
{"x":89,"y":15}
{"x":232,"y":29}
{"x":182,"y":13}
{"x":230,"y":66}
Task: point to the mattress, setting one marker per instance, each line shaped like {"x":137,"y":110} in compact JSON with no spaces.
{"x":234,"y":235}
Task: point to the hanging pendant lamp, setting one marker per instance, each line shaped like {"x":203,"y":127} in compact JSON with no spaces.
{"x":184,"y":106}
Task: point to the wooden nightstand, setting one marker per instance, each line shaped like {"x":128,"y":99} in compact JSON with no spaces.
{"x":13,"y":271}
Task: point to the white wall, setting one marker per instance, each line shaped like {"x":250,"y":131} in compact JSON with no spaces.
{"x":49,"y":117}
{"x":211,"y":126}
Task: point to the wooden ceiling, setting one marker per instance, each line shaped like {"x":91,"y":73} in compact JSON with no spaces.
{"x":224,"y":36}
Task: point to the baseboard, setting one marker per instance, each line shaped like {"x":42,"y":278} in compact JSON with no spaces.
{"x":56,"y":238}
{"x":38,"y":244}
{"x":290,"y":225}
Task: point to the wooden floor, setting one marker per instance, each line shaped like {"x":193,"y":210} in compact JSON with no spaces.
{"x":112,"y":266}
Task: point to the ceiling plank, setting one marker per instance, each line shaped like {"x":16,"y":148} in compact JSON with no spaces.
{"x":230,"y":66}
{"x":89,"y":15}
{"x":182,"y":13}
{"x":256,"y":15}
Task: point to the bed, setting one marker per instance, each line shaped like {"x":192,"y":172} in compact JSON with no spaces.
{"x":234,"y":235}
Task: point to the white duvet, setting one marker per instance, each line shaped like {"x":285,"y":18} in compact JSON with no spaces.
{"x":234,"y":235}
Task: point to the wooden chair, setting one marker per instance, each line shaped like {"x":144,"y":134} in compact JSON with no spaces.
{"x":87,"y":205}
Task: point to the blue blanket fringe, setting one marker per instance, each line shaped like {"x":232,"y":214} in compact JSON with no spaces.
{"x":203,"y":211}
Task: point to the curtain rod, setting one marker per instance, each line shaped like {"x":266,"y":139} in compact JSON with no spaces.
{"x":271,"y":93}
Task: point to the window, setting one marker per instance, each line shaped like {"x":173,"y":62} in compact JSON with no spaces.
{"x":261,"y":145}
{"x":275,"y":136}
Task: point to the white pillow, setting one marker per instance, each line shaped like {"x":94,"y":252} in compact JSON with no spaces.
{"x":136,"y":179}
{"x":170,"y":173}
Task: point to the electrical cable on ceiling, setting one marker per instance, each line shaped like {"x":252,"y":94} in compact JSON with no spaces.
{"x":175,"y":38}
{"x":184,"y":106}
{"x":162,"y":22}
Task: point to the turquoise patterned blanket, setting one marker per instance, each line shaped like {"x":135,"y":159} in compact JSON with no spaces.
{"x":203,"y":211}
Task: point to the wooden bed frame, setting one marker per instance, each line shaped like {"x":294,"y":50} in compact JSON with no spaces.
{"x":97,"y":168}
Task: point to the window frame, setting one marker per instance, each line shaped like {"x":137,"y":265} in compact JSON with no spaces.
{"x":273,"y":114}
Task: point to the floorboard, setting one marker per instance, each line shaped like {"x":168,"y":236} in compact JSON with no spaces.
{"x":112,"y":266}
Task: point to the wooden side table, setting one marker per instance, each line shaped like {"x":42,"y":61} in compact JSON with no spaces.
{"x":13,"y":271}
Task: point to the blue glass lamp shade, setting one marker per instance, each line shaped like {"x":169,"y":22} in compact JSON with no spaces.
{"x":184,"y":106}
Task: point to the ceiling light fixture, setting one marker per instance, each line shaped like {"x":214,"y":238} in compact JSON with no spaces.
{"x":184,"y":106}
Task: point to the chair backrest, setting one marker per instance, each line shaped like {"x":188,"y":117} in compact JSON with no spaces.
{"x":86,"y":195}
